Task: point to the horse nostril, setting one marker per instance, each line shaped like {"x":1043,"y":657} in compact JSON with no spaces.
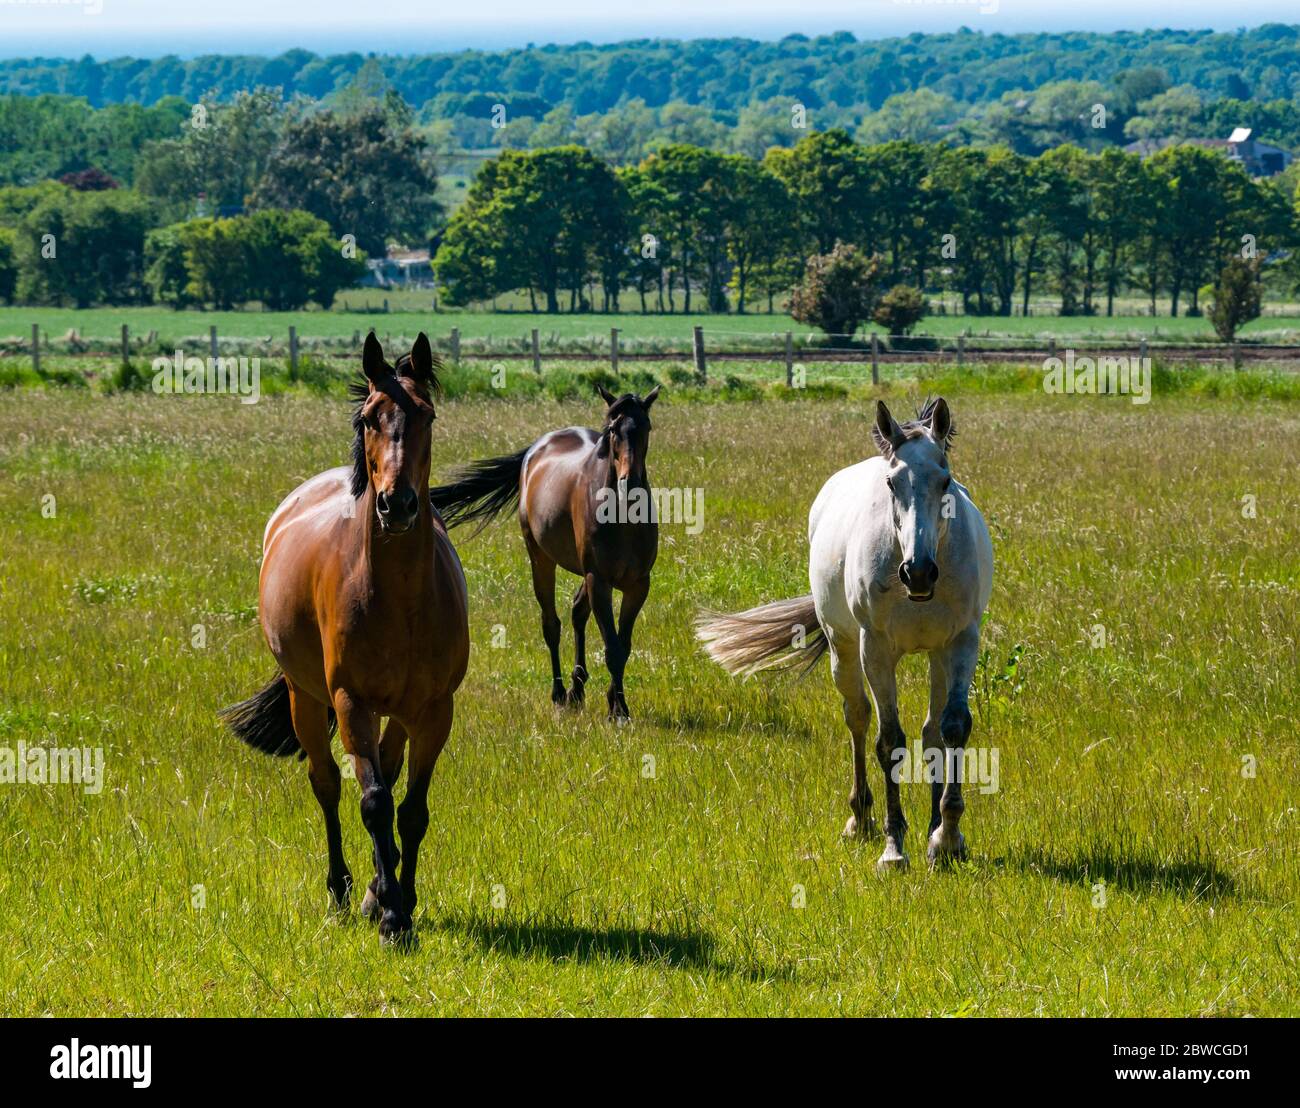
{"x":381,"y":502}
{"x":407,"y":501}
{"x":905,"y":574}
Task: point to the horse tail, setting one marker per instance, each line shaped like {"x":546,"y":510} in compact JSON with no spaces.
{"x":783,"y":634}
{"x":480,"y":490}
{"x":265,"y":722}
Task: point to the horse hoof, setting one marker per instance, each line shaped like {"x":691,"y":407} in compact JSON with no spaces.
{"x":370,"y":907}
{"x":574,"y":698}
{"x":395,"y":930}
{"x":943,"y":852}
{"x":892,"y":859}
{"x":859,"y":829}
{"x":558,"y":695}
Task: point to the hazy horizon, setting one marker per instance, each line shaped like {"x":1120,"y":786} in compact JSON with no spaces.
{"x":151,"y":28}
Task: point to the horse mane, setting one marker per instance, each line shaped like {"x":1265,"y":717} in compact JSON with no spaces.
{"x":359,"y":393}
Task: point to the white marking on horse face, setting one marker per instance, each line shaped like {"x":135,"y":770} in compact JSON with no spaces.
{"x":918,"y":479}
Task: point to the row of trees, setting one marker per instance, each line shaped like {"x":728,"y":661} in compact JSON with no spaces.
{"x":62,"y":246}
{"x":833,"y":73}
{"x":994,"y":225}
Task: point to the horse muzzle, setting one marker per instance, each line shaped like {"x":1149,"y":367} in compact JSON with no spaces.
{"x":397,"y":511}
{"x":919,"y":576}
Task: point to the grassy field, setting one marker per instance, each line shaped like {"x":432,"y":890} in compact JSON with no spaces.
{"x":104,"y":325}
{"x":1131,"y":863}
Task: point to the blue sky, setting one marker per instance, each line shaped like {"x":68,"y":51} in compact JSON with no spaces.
{"x":149,"y":27}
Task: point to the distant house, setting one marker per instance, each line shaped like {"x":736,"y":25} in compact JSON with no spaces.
{"x":399,"y":269}
{"x":1259,"y":159}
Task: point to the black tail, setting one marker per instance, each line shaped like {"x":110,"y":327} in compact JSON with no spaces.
{"x":480,"y":490}
{"x":265,"y":722}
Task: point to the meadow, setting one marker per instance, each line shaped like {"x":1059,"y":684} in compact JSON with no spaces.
{"x":412,"y":312}
{"x":1139,"y":683}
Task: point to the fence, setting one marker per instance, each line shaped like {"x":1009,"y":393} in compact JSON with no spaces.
{"x":783,"y":347}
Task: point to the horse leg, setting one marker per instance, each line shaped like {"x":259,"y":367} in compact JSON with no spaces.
{"x":930,"y":737}
{"x":602,"y":607}
{"x":357,"y":729}
{"x":946,"y":840}
{"x":427,"y":741}
{"x":581,"y":610}
{"x":311,"y":725}
{"x":544,"y":590}
{"x":392,"y":749}
{"x":878,"y":663}
{"x":634,"y":597}
{"x":846,"y":671}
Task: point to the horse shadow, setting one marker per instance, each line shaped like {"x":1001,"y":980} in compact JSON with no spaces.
{"x":567,"y":942}
{"x":560,"y":942}
{"x":1191,"y":877}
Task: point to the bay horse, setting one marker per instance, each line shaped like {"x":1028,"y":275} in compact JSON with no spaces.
{"x":572,"y":488}
{"x":362,"y":601}
{"x":900,"y":562}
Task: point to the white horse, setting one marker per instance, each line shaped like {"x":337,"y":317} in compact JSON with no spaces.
{"x":900,"y":562}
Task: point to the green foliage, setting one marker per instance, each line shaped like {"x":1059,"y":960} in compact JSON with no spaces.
{"x":8,"y":264}
{"x":1236,"y":298}
{"x":359,"y":173}
{"x":900,"y":309}
{"x":83,"y":248}
{"x":838,"y":291}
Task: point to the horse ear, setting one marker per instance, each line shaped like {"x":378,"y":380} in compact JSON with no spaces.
{"x":940,"y":422}
{"x":650,"y":397}
{"x":885,"y":431}
{"x":605,"y":394}
{"x":422,"y":360}
{"x":372,"y":358}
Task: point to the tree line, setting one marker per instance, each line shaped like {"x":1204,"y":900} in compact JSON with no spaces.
{"x":692,"y":228}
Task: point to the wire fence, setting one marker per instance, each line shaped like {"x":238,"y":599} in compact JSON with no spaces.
{"x":790,"y":348}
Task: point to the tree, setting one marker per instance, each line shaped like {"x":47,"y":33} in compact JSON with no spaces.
{"x":699,"y":191}
{"x":220,"y":154}
{"x":900,"y":309}
{"x":759,"y":231}
{"x":1236,"y":298}
{"x":8,"y":264}
{"x":166,"y":275}
{"x":831,"y":183}
{"x":84,"y":248}
{"x":358,"y":174}
{"x":838,"y":290}
{"x":538,"y":219}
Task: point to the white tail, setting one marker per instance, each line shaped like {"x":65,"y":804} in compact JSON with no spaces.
{"x":784,"y":633}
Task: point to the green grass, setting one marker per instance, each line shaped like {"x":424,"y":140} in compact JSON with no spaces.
{"x":557,"y":879}
{"x":495,"y":330}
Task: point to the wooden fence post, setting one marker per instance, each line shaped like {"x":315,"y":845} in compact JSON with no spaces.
{"x":293,"y":351}
{"x":961,"y":350}
{"x":126,"y":344}
{"x":537,"y":353}
{"x":36,"y":348}
{"x":697,"y":342}
{"x":613,"y":349}
{"x":212,"y":340}
{"x":1236,"y":355}
{"x":455,"y":346}
{"x":789,"y":360}
{"x":875,"y":358}
{"x":1142,"y":350}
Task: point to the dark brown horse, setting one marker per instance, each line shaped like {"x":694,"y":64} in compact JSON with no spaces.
{"x":363,"y":603}
{"x":574,"y":488}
